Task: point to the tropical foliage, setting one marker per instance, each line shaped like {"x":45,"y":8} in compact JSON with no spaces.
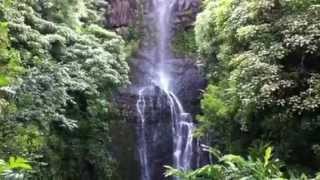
{"x":60,"y":65}
{"x":262,"y":64}
{"x":228,"y":167}
{"x":16,"y":168}
{"x":58,"y":68}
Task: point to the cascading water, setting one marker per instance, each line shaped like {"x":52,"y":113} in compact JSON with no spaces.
{"x":182,"y":123}
{"x":143,"y":149}
{"x":182,"y":127}
{"x":162,"y":10}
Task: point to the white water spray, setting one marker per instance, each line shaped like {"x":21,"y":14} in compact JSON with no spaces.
{"x":143,"y":146}
{"x":182,"y":123}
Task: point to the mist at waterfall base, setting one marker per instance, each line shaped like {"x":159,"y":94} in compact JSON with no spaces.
{"x":182,"y":127}
{"x":158,"y":96}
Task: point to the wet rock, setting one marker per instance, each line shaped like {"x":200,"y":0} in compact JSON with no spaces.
{"x":186,"y":82}
{"x":186,"y":12}
{"x":123,"y":12}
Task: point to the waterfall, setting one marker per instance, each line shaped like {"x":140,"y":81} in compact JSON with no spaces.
{"x":143,"y":146}
{"x":182,"y":122}
{"x":182,"y":128}
{"x":162,"y":10}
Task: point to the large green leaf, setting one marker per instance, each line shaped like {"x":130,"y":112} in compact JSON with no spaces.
{"x":19,"y":163}
{"x":4,"y":81}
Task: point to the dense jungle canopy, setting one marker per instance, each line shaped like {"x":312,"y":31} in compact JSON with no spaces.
{"x":63,"y":62}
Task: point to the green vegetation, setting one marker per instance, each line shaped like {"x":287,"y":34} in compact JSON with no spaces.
{"x":264,"y":78}
{"x":230,"y":166}
{"x":16,"y":168}
{"x":184,"y":44}
{"x":58,"y":69}
{"x":10,"y":62}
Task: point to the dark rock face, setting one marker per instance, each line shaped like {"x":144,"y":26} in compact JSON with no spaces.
{"x":158,"y":129}
{"x":187,"y":83}
{"x":186,"y":12}
{"x":123,"y":12}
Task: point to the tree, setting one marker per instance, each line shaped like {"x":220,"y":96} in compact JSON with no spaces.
{"x":264,"y":75}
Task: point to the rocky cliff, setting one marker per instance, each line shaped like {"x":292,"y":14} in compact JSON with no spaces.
{"x":186,"y":11}
{"x":186,"y":79}
{"x":123,"y":13}
{"x":188,"y":82}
